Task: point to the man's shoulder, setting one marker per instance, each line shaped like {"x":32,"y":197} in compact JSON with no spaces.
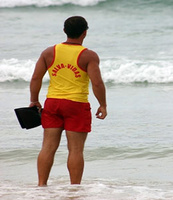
{"x":47,"y":55}
{"x":90,"y":54}
{"x":48,"y":51}
{"x":89,"y":51}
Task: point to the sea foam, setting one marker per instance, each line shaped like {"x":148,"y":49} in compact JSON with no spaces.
{"x":114,"y":71}
{"x":45,"y":3}
{"x":136,"y":71}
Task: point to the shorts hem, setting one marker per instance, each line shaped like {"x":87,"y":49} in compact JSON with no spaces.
{"x":85,"y":131}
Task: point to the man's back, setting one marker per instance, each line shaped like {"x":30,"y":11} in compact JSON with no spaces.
{"x":68,"y":80}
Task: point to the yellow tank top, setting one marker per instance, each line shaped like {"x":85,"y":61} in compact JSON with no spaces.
{"x":67,"y":79}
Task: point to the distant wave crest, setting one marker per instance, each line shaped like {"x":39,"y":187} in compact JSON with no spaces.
{"x":113,"y":71}
{"x":136,"y":71}
{"x":46,"y":3}
{"x":16,"y":70}
{"x":50,"y":3}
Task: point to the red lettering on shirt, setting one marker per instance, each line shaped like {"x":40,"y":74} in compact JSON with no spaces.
{"x":68,"y":66}
{"x":63,"y":66}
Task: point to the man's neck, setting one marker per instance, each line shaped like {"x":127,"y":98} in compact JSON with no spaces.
{"x":73,"y":41}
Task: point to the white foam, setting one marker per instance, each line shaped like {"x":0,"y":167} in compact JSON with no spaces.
{"x":115,"y":71}
{"x":132,"y":71}
{"x":16,"y":70}
{"x":44,"y":3}
{"x":97,"y":190}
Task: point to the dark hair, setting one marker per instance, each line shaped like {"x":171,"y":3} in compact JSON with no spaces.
{"x":75,"y":26}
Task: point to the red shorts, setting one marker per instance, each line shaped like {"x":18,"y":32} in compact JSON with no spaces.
{"x":66,"y":114}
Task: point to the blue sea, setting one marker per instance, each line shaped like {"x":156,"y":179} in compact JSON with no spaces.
{"x":129,"y":155}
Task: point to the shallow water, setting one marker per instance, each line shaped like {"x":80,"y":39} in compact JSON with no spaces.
{"x":127,"y":156}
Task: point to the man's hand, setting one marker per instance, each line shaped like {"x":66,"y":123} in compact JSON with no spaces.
{"x":101,"y":112}
{"x":37,"y":103}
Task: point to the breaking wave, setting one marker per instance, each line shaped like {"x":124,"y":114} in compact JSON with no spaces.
{"x":113,"y":71}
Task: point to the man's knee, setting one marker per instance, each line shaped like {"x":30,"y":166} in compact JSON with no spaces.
{"x":75,"y":141}
{"x":52,"y":139}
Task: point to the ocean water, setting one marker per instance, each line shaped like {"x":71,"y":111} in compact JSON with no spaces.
{"x":129,"y":155}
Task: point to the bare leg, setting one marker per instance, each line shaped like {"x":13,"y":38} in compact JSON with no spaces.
{"x":75,"y":162}
{"x":52,"y":137}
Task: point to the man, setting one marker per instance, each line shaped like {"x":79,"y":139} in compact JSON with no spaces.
{"x":70,"y":66}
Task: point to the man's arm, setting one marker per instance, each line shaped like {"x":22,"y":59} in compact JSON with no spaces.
{"x":98,"y":86}
{"x":36,"y":81}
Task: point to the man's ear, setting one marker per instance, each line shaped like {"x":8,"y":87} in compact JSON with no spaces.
{"x":85,"y":33}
